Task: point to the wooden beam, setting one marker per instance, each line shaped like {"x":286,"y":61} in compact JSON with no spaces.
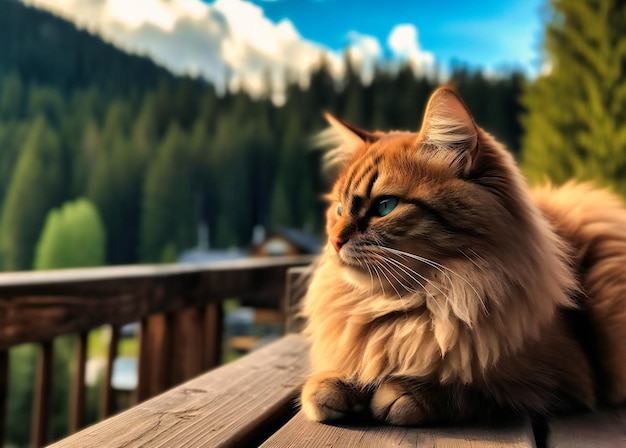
{"x":107,"y":402}
{"x":602,"y":429}
{"x":296,"y":286}
{"x":79,"y":363}
{"x":212,"y":336}
{"x":154,"y":357}
{"x":43,"y":389}
{"x":186,"y":346}
{"x":300,"y":432}
{"x":38,"y":306}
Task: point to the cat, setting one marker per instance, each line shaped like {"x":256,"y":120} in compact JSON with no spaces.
{"x":450,"y":292}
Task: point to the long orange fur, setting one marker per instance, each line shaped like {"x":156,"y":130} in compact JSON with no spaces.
{"x":483,"y":302}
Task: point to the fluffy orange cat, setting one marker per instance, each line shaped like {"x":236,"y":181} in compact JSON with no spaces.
{"x":448,"y":291}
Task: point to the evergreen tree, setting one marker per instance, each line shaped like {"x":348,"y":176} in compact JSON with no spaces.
{"x":353,"y":110}
{"x":73,"y":236}
{"x":115,"y":184}
{"x":36,"y":186}
{"x":12,"y":137}
{"x":168,"y":220}
{"x":20,"y":395}
{"x":11,"y":97}
{"x":577,"y":109}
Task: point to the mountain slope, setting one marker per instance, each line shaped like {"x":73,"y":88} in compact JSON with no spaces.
{"x":46,"y":50}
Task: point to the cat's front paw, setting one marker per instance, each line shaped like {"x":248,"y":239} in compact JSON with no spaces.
{"x":326,"y":396}
{"x":394,"y":404}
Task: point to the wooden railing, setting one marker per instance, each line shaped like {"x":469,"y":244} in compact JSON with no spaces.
{"x":252,"y":402}
{"x":179,"y":308}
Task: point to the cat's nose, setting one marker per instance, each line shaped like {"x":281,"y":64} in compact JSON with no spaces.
{"x":337,"y":242}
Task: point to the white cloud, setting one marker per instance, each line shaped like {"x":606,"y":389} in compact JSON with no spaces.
{"x":365,"y":51}
{"x":228,"y":42}
{"x":404,"y":45}
{"x":229,"y":39}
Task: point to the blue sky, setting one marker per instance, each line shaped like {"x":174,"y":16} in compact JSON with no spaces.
{"x":488,"y":33}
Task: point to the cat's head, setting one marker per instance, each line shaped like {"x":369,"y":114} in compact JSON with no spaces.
{"x":407,"y":205}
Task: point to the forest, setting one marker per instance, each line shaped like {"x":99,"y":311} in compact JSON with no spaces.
{"x":156,"y":154}
{"x":107,"y":158}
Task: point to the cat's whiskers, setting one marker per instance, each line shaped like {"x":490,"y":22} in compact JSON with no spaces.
{"x":409,"y":270}
{"x":406,"y":273}
{"x":380,"y":280}
{"x":405,"y":308}
{"x":373,"y":252}
{"x":469,"y":258}
{"x":432,"y":296}
{"x":394,"y":269}
{"x":369,"y":270}
{"x":440,"y":268}
{"x":382,"y":271}
{"x":431,"y":283}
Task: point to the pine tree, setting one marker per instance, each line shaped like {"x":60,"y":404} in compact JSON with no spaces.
{"x":11,"y":97}
{"x":168,"y":221}
{"x":36,"y":186}
{"x":577,"y":110}
{"x":114,"y":185}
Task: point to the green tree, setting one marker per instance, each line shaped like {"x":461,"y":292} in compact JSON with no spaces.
{"x":73,"y":236}
{"x":577,"y":109}
{"x":22,"y":360}
{"x":36,"y":186}
{"x":168,"y":221}
{"x":11,"y":97}
{"x":115,"y":182}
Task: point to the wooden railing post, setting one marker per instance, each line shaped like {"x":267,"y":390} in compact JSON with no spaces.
{"x":154,"y":356}
{"x":79,"y":362}
{"x":295,"y":288}
{"x":186,"y":359}
{"x":107,"y":403}
{"x":212,"y":335}
{"x":43,"y":388}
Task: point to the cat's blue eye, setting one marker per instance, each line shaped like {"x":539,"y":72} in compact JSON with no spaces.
{"x":386,"y":205}
{"x":339,"y":209}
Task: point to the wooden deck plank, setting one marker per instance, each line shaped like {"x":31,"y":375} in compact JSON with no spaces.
{"x":229,"y":406}
{"x":302,"y":433}
{"x":603,"y":429}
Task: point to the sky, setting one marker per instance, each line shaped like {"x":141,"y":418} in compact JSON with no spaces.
{"x":237,"y":43}
{"x":487,"y":33}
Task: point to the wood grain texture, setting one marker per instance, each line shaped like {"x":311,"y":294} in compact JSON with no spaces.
{"x":212,"y":335}
{"x":43,"y":391}
{"x":38,"y":306}
{"x":79,"y":364}
{"x":302,"y":433}
{"x":186,"y":358}
{"x":107,"y":402}
{"x":603,"y":429}
{"x":297,"y":283}
{"x":155,"y":351}
{"x":228,"y":407}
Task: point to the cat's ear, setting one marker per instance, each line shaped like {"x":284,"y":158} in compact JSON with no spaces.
{"x":342,"y":140}
{"x":350,"y":135}
{"x":449,"y":124}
